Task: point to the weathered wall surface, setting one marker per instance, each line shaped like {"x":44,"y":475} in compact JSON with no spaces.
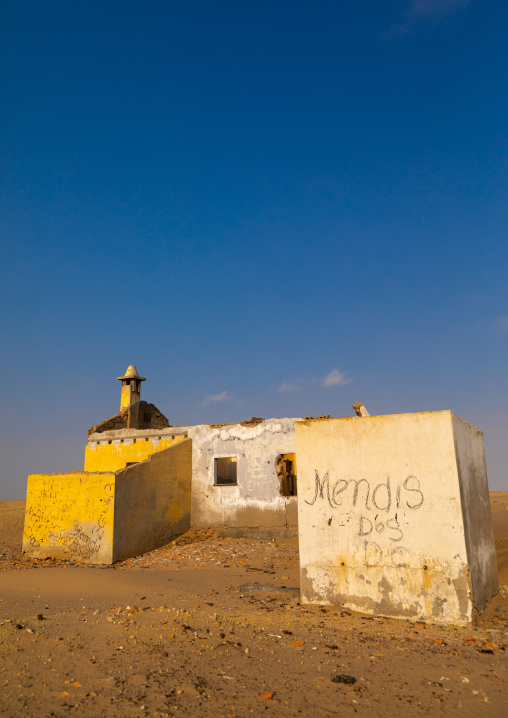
{"x":70,"y":516}
{"x":153,"y":501}
{"x":381,"y":524}
{"x":113,"y":450}
{"x":113,"y":423}
{"x":132,"y":417}
{"x":474,"y":492}
{"x":255,"y":501}
{"x":155,"y":419}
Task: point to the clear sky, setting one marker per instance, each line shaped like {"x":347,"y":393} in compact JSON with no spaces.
{"x":271,"y":208}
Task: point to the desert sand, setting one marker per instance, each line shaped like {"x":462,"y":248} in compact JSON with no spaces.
{"x":210,"y":626}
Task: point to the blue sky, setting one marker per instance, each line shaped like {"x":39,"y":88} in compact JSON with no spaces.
{"x":271,"y":208}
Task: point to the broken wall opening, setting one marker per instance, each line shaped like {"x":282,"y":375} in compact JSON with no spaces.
{"x":285,"y":466}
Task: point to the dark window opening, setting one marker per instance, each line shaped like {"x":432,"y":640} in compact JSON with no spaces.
{"x":285,"y":466}
{"x":225,"y":470}
{"x":147,"y":417}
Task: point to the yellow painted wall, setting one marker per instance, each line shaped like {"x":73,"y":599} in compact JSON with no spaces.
{"x":70,"y":516}
{"x":112,"y":457}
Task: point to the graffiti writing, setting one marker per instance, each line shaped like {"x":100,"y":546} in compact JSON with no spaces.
{"x":392,"y":528}
{"x":68,"y":514}
{"x":399,"y":557}
{"x":382,"y":497}
{"x":79,"y":543}
{"x":377,"y":505}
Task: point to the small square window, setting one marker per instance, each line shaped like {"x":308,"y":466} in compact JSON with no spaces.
{"x":225,"y":470}
{"x":147,"y":417}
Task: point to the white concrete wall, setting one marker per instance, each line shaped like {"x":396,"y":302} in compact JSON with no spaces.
{"x":255,"y":501}
{"x":381,"y":523}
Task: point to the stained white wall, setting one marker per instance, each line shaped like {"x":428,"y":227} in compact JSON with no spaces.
{"x":255,"y":501}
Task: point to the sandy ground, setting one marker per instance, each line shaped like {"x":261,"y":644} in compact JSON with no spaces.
{"x":170,"y":634}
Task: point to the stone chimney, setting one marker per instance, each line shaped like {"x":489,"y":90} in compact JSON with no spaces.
{"x":131,"y":387}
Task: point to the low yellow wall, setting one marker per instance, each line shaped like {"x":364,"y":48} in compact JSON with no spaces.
{"x":70,"y":516}
{"x":114,"y":456}
{"x":153,"y":501}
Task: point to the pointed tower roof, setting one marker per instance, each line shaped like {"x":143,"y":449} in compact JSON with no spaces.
{"x":131,"y":373}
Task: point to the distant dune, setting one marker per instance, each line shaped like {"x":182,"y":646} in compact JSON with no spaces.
{"x":499,"y":508}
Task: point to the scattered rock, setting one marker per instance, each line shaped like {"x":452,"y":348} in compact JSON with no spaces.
{"x":343,"y":678}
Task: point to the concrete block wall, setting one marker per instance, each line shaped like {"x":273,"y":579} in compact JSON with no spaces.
{"x":474,"y":497}
{"x":394,"y":516}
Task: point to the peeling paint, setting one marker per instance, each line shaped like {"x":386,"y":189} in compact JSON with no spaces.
{"x":255,"y":500}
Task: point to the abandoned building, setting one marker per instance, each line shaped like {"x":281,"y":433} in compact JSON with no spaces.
{"x":392,"y":512}
{"x":243,"y":474}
